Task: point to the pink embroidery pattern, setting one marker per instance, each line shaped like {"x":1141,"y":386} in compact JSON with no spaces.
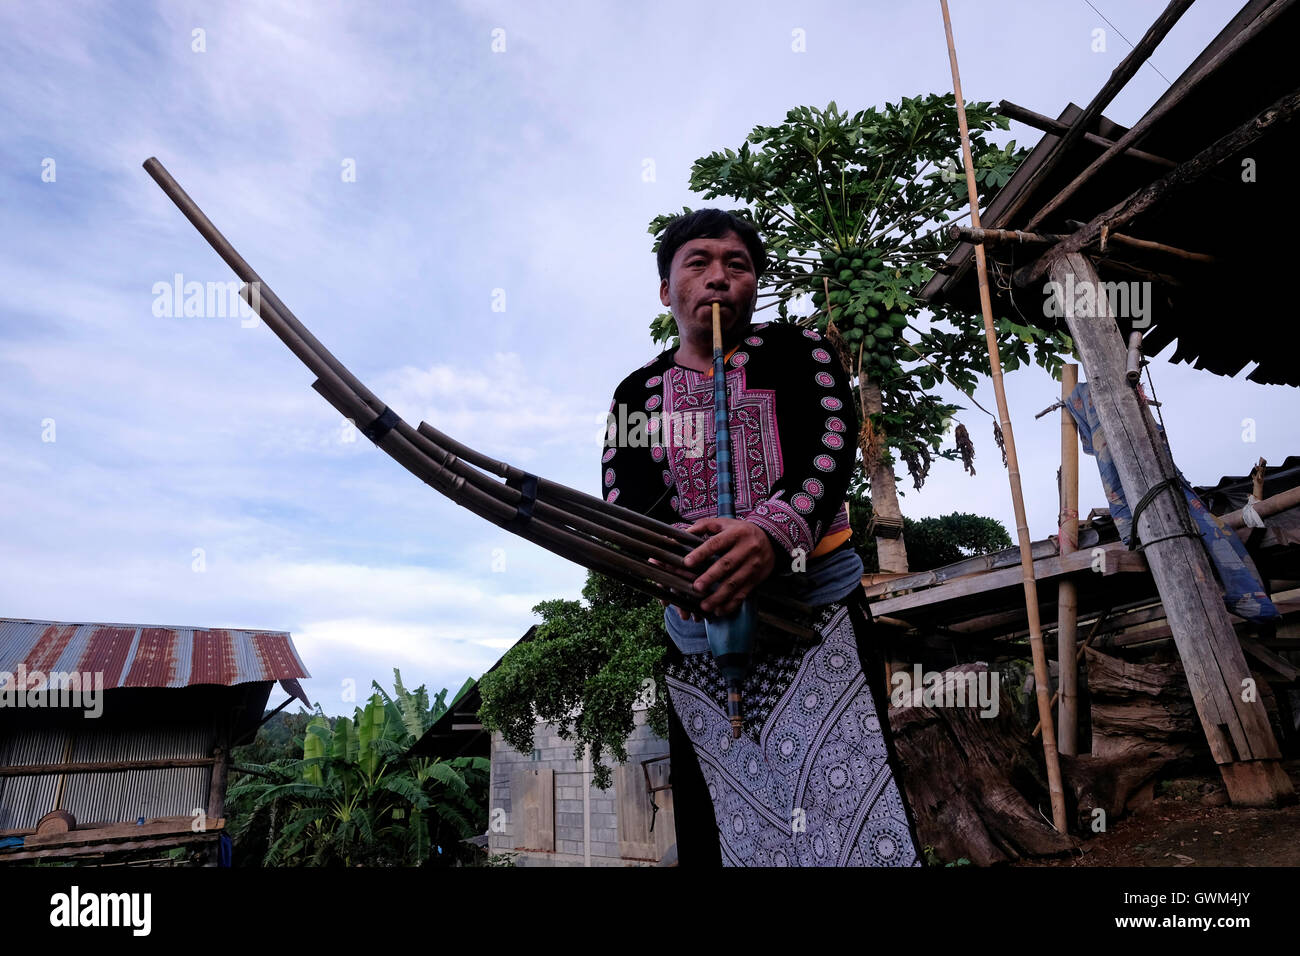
{"x":783,"y":523}
{"x":755,"y":442}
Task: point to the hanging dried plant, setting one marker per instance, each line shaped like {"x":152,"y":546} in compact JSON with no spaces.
{"x":918,"y":463}
{"x":966,"y":448}
{"x":997,"y":437}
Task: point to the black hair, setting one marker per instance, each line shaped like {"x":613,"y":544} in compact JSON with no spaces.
{"x":709,"y":224}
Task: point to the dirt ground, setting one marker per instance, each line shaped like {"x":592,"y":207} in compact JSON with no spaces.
{"x":1189,"y":824}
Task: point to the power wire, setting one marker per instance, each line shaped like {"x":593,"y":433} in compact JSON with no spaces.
{"x":1147,"y":61}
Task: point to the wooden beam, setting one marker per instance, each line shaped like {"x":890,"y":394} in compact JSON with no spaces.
{"x":1119,"y":77}
{"x":165,"y":826}
{"x":1151,"y":624}
{"x":96,"y":849}
{"x":1049,"y":125}
{"x":1128,"y":268}
{"x":1180,"y":89}
{"x":114,"y":766}
{"x":1120,"y":239}
{"x":1020,"y":237}
{"x":979,"y":564}
{"x":1118,"y":560}
{"x":1281,"y":111}
{"x":1237,"y":730}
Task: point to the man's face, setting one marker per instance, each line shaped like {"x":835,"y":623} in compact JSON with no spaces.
{"x":705,"y":271}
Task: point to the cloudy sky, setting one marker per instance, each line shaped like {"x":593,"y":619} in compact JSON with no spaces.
{"x":387,"y":172}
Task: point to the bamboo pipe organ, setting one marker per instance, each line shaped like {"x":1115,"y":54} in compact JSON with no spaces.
{"x":623,"y":544}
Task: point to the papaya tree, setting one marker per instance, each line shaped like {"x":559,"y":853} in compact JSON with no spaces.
{"x":855,"y":210}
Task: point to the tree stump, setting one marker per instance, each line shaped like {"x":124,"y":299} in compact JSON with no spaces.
{"x":973,"y":783}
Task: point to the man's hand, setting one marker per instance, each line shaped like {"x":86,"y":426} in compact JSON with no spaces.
{"x":745,"y":559}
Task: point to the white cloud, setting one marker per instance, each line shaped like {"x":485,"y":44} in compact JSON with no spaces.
{"x":474,"y":171}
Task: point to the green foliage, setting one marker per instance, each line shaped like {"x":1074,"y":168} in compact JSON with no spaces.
{"x":275,"y":739}
{"x":932,"y":858}
{"x":583,"y":671}
{"x":931,"y":542}
{"x":354,"y":798}
{"x":860,"y":205}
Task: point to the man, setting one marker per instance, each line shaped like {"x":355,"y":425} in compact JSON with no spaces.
{"x":810,"y":781}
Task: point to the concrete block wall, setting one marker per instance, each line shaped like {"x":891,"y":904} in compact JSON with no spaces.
{"x":571,"y":834}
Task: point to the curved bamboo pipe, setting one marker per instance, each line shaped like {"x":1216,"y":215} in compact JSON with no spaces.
{"x":581,"y":538}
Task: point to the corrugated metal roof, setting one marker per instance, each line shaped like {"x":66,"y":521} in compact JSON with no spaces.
{"x":1231,"y":491}
{"x":133,"y":655}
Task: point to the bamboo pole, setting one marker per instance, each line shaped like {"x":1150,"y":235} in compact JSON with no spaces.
{"x":1268,"y":506}
{"x":1042,"y":679}
{"x":1078,"y":656}
{"x":1067,"y":591}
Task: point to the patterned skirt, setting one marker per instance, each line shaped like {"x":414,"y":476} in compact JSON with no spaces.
{"x":809,"y":782}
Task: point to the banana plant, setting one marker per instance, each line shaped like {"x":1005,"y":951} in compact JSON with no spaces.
{"x":355,"y":798}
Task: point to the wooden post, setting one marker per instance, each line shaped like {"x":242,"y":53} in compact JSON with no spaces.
{"x":1233,"y":717}
{"x":1067,"y":592}
{"x":1042,"y":677}
{"x":217,"y":787}
{"x":1257,"y":480}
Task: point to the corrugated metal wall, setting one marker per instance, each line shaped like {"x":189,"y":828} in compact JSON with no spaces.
{"x":24,"y":800}
{"x":105,"y":797}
